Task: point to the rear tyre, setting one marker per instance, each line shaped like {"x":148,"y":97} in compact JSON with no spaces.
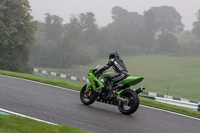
{"x":88,"y":96}
{"x":131,"y":104}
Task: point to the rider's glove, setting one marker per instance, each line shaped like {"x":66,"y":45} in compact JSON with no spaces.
{"x":96,"y":72}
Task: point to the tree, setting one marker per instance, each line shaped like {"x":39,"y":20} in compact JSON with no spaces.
{"x":88,"y":21}
{"x":129,"y":29}
{"x":149,"y":28}
{"x":167,"y":42}
{"x":62,"y":47}
{"x":196,"y":25}
{"x":149,"y":18}
{"x":53,"y":27}
{"x":70,"y":50}
{"x":90,"y":28}
{"x":167,"y":19}
{"x":68,"y":47}
{"x":123,"y":17}
{"x":16,"y":35}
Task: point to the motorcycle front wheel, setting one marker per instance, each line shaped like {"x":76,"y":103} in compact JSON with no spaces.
{"x":88,"y":96}
{"x":131,"y":103}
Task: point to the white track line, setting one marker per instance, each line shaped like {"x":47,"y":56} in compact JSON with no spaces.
{"x":78,"y":91}
{"x":39,"y":83}
{"x":14,"y":113}
{"x":171,"y":112}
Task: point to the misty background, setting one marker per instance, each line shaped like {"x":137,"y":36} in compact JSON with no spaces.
{"x":62,"y":34}
{"x":102,"y":8}
{"x":79,"y":32}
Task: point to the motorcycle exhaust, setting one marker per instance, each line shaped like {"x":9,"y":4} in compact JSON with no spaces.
{"x":139,"y":90}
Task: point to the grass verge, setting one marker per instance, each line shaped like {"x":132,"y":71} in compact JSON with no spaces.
{"x":76,"y":86}
{"x":47,"y":80}
{"x":15,"y":124}
{"x":168,"y":107}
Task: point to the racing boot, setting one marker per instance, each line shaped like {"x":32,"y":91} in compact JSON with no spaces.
{"x":108,"y":88}
{"x":110,"y":92}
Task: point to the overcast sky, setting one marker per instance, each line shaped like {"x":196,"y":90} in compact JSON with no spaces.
{"x":102,"y":8}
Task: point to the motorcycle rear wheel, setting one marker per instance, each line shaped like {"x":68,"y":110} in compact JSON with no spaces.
{"x":131,"y":104}
{"x":87,"y":97}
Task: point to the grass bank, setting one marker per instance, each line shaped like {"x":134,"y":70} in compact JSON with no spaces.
{"x":47,"y":80}
{"x":15,"y":124}
{"x":168,"y":107}
{"x":75,"y":86}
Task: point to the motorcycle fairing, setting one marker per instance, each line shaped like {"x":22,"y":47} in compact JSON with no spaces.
{"x":131,"y":80}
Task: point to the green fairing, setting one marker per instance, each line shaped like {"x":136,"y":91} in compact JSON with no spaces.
{"x":106,"y":74}
{"x":87,"y":87}
{"x":94,"y":79}
{"x":130,"y":80}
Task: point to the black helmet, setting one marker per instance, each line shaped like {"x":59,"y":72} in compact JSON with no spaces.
{"x":114,"y":55}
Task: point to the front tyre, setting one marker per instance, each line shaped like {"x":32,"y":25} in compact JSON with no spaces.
{"x":131,"y":103}
{"x":87,"y":96}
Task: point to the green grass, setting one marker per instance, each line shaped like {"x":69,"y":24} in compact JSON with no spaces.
{"x":168,"y":107}
{"x":15,"y":124}
{"x":47,"y":80}
{"x":180,"y":74}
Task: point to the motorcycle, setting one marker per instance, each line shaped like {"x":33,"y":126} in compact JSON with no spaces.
{"x":122,"y":96}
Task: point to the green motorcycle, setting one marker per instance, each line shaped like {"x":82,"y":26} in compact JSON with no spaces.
{"x":125,"y":98}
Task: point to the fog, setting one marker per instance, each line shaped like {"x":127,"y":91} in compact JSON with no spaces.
{"x":102,"y":8}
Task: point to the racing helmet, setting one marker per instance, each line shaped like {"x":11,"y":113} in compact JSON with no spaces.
{"x":114,"y":55}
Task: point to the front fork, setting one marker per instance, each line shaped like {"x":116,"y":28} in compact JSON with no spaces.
{"x":88,"y":92}
{"x":88,"y":85}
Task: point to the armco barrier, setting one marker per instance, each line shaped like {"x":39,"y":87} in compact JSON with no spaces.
{"x":46,"y":73}
{"x":172,"y":100}
{"x":147,"y":96}
{"x":152,"y":94}
{"x":193,"y":106}
{"x":158,"y":97}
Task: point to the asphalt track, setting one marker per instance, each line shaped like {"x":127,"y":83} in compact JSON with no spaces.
{"x":63,"y":106}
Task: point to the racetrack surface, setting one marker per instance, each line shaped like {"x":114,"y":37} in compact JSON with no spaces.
{"x":63,"y":106}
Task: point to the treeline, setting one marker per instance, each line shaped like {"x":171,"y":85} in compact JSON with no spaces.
{"x":17,"y":34}
{"x":157,"y":31}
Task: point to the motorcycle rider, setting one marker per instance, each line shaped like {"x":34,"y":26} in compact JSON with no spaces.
{"x":120,"y":70}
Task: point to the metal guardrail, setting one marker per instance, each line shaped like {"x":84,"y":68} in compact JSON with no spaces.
{"x":193,"y":106}
{"x":46,"y":73}
{"x":172,"y":100}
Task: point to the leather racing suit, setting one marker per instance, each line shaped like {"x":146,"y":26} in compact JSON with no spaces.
{"x":119,"y":67}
